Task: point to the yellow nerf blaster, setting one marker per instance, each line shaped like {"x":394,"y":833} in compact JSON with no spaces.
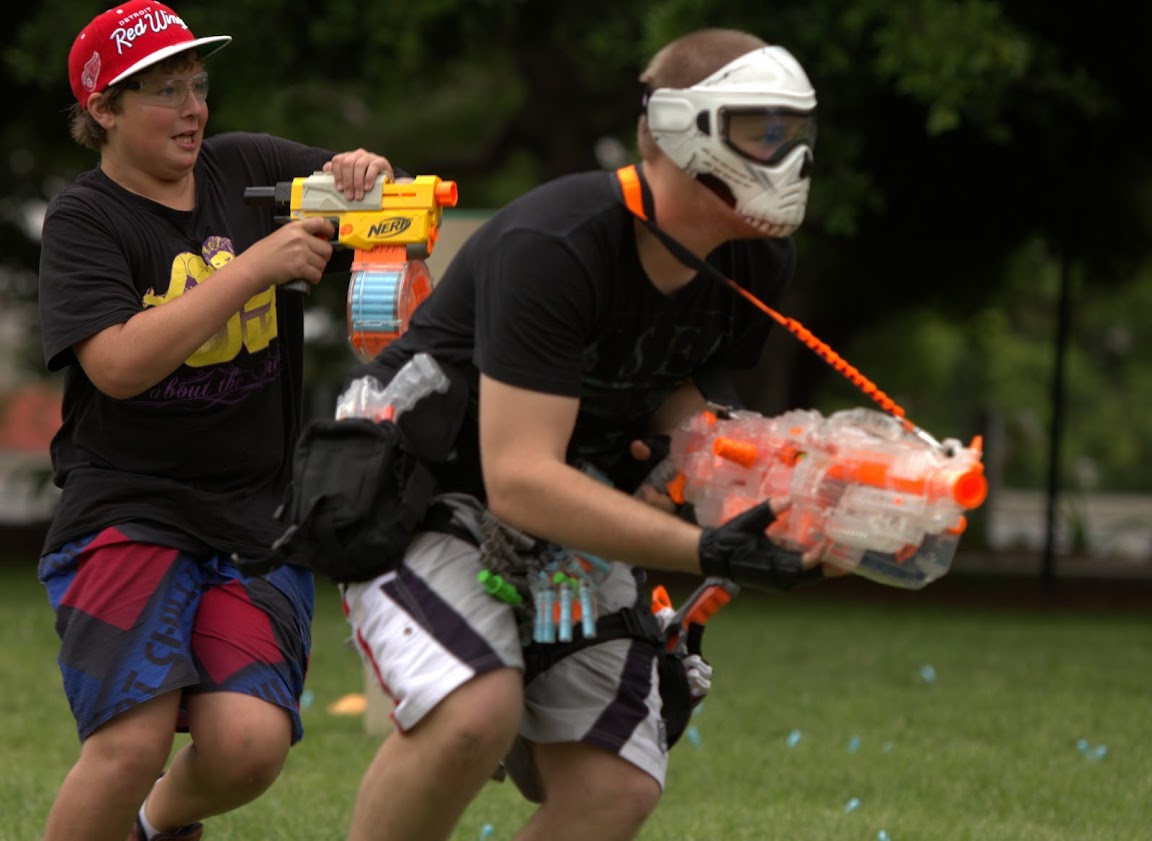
{"x":393,"y":230}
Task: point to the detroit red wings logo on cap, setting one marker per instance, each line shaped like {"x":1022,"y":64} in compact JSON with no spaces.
{"x":91,"y":72}
{"x":141,"y":25}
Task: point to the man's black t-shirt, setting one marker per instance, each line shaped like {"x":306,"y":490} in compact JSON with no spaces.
{"x":201,"y":458}
{"x":549,"y":295}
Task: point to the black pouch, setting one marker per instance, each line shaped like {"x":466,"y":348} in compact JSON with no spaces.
{"x":360,"y":489}
{"x":358,"y":494}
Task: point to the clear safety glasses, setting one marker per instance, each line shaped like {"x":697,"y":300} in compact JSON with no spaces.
{"x":171,"y":93}
{"x":766,"y":135}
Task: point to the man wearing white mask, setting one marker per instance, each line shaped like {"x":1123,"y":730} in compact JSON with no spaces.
{"x":580,"y":334}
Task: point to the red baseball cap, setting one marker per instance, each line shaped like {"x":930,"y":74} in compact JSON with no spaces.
{"x":126,"y":39}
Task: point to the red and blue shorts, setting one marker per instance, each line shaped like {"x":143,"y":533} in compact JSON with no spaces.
{"x":137,"y":620}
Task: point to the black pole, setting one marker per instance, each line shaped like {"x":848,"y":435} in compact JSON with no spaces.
{"x":1056,"y":427}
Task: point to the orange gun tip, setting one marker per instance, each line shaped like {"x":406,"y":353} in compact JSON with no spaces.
{"x":970,"y":489}
{"x":446,"y":194}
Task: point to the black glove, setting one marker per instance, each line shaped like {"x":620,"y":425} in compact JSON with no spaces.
{"x":740,"y":551}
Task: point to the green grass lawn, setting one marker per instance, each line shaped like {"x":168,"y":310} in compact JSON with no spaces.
{"x":834,"y":715}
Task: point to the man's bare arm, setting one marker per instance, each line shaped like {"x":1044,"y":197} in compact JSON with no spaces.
{"x":523,"y":440}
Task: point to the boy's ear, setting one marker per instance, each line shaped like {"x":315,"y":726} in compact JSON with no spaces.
{"x":99,"y":108}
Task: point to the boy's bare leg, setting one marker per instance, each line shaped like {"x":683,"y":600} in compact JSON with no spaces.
{"x":238,"y":748}
{"x":118,"y":764}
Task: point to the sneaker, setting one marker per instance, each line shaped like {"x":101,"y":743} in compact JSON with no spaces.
{"x":193,"y":832}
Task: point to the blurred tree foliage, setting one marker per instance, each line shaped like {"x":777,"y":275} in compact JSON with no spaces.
{"x":969,"y":151}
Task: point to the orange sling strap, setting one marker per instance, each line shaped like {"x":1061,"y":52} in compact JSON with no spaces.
{"x":638,"y":199}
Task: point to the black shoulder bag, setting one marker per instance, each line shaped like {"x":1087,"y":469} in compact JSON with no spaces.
{"x":358,"y":494}
{"x":361,"y":489}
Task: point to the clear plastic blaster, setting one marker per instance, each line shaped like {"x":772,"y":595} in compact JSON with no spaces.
{"x":883,"y":502}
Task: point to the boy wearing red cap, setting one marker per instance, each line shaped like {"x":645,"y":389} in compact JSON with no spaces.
{"x":160,"y":300}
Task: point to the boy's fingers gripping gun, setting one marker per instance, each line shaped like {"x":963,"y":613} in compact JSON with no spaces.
{"x":393,"y":230}
{"x":872,"y":496}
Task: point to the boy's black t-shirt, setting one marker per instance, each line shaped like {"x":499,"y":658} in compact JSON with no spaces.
{"x":203,"y":457}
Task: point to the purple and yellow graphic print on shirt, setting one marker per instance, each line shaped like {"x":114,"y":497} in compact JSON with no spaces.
{"x":232,"y":361}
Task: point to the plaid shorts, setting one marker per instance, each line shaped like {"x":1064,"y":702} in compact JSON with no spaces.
{"x":138,"y":620}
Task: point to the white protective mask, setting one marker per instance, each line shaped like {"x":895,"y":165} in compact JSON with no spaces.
{"x":750,"y":126}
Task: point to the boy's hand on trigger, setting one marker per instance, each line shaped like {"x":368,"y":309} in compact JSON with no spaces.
{"x":299,"y":250}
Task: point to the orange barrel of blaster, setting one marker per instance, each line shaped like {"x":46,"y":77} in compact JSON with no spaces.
{"x":970,"y":488}
{"x":382,"y":295}
{"x":743,"y":453}
{"x":446,"y":194}
{"x":967,"y":486}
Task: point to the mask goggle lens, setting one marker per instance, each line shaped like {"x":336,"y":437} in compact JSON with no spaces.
{"x":171,"y":93}
{"x":766,"y":135}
